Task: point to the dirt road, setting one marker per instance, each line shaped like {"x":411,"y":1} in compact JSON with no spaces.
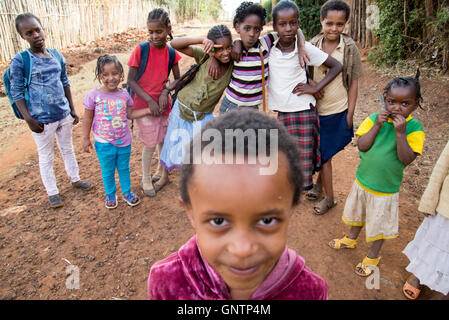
{"x":115,"y":249}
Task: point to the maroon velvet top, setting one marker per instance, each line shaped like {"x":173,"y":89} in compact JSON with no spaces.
{"x":186,"y":275}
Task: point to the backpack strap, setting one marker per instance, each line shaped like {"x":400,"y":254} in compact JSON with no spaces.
{"x":55,"y":53}
{"x":26,"y":64}
{"x":171,"y":58}
{"x":144,"y":56}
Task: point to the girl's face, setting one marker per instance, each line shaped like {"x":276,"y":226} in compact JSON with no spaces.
{"x":401,"y":100}
{"x":158,"y":33}
{"x":241,"y":219}
{"x":31,"y":31}
{"x":222,"y":49}
{"x":249,"y":30}
{"x":334,"y":24}
{"x":110,"y":76}
{"x":287,"y":24}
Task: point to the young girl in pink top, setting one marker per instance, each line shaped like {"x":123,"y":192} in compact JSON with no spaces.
{"x":152,"y":104}
{"x":239,"y":250}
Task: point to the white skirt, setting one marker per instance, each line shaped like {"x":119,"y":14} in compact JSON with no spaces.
{"x":429,"y":253}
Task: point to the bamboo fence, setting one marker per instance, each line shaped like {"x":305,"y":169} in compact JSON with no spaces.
{"x":69,"y":22}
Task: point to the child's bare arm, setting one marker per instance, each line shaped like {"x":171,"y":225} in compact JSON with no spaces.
{"x":68,"y":95}
{"x":365,"y":142}
{"x":185,"y":44}
{"x":135,"y":114}
{"x":132,"y":83}
{"x":303,"y":56}
{"x":176,"y":72}
{"x":405,"y":153}
{"x":352,"y":100}
{"x":335,"y":68}
{"x":88,"y":119}
{"x":237,"y":50}
{"x":163,"y":97}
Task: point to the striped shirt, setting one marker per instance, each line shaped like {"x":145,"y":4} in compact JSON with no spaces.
{"x":245,"y":88}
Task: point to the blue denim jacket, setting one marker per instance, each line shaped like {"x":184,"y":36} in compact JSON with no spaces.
{"x":48,"y":102}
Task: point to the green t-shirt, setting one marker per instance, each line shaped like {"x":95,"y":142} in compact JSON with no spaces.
{"x":380,"y":169}
{"x":202,"y":93}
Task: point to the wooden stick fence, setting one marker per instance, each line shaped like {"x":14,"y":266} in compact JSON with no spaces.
{"x":69,"y":22}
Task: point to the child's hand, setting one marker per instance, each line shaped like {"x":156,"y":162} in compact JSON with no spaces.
{"x":76,"y":119}
{"x":87,"y":145}
{"x":154,"y":108}
{"x":35,"y":125}
{"x":214,"y":69}
{"x":399,"y":122}
{"x":304,"y":88}
{"x":303,"y":57}
{"x":208,"y":45}
{"x":163,"y":100}
{"x":382,"y":117}
{"x":237,"y":49}
{"x":319,"y":94}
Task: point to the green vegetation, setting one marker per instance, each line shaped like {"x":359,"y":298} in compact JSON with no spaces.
{"x":193,"y":9}
{"x":412,"y":29}
{"x":309,"y":15}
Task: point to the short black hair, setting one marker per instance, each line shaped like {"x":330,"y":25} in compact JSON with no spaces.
{"x":162,"y":15}
{"x":102,"y":60}
{"x":247,"y":8}
{"x":25,"y":16}
{"x":244,"y":120}
{"x":404,"y":82}
{"x":284,"y":4}
{"x":336,"y":5}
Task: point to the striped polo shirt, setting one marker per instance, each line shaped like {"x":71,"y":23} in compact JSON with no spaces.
{"x":245,"y":88}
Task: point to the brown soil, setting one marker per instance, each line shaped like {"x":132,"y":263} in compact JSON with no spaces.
{"x":114,"y":249}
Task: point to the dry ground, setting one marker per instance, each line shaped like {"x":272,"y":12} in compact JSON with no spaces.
{"x":114,"y":250}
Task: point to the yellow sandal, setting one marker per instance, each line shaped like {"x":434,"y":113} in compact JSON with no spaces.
{"x":347,"y":242}
{"x":366,"y":265}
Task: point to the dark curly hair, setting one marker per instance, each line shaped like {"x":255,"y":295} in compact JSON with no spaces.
{"x":284,"y":4}
{"x":25,"y":16}
{"x":102,"y":60}
{"x":336,"y":5}
{"x":247,"y":8}
{"x":403,"y":82}
{"x":243,"y":120}
{"x":162,"y":15}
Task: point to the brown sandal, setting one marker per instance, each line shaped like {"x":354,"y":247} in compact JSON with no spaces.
{"x":324,"y":206}
{"x":314,"y":193}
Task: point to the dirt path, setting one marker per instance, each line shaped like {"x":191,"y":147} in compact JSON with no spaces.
{"x":115,"y":249}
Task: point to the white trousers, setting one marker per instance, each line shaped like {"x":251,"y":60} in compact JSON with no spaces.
{"x":45,"y":147}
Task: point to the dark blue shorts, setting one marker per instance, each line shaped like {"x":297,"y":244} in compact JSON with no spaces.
{"x":335,"y":134}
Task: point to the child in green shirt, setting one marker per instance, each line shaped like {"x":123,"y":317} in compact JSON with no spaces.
{"x":388,"y":141}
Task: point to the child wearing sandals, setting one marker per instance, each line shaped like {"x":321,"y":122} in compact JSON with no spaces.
{"x":49,"y":111}
{"x":152,"y":105}
{"x":288,"y":92}
{"x":429,"y":251}
{"x":239,"y":250}
{"x":388,"y":141}
{"x":336,"y":107}
{"x":106,"y":114}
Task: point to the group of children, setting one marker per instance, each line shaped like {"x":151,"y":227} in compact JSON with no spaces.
{"x":240,"y":217}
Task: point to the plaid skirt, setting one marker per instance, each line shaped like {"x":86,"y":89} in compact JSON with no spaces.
{"x":305,"y":127}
